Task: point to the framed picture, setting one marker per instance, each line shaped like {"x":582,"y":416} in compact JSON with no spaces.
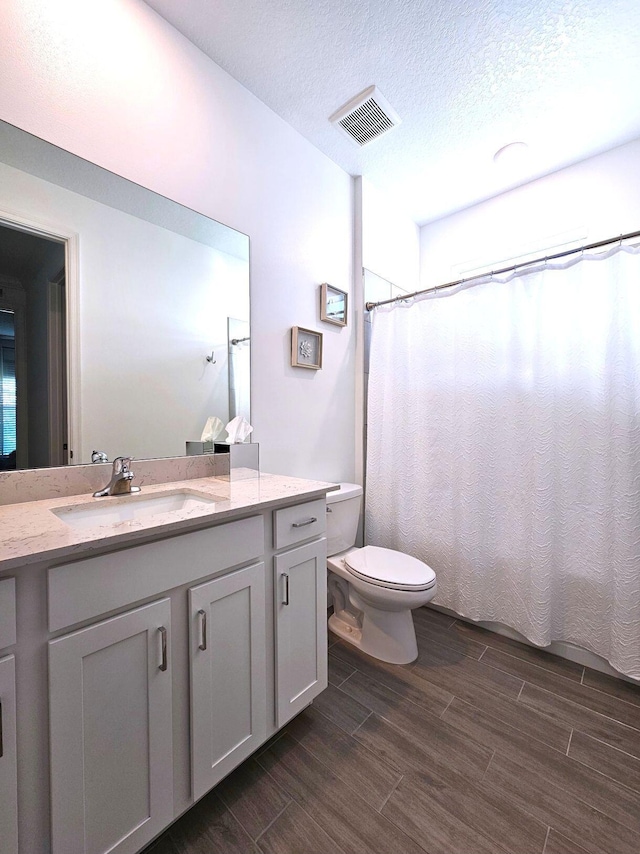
{"x":333,"y":305}
{"x":306,"y":348}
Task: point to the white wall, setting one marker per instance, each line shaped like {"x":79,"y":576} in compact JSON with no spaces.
{"x":387,"y":244}
{"x":114,"y":83}
{"x":390,"y":240}
{"x":593,"y":200}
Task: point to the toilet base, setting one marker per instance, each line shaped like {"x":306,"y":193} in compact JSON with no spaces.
{"x":386,"y":635}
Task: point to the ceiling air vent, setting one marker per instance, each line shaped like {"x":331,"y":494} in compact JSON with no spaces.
{"x":365,"y":117}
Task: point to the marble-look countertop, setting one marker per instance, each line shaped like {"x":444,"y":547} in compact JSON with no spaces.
{"x":30,"y":532}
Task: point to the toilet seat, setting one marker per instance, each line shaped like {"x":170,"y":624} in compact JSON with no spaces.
{"x":389,"y":568}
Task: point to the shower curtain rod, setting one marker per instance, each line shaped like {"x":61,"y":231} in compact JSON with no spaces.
{"x":371,"y":305}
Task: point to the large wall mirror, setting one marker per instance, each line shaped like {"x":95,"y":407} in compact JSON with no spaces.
{"x":124,"y":316}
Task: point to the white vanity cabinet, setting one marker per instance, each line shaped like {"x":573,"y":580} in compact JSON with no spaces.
{"x":112,"y":688}
{"x":8,"y":758}
{"x":227,"y":653}
{"x":300,"y":589}
{"x":148,"y":671}
{"x":110,"y":712}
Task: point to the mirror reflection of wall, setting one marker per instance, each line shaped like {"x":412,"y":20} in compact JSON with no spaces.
{"x":239,"y":350}
{"x":155,"y":285}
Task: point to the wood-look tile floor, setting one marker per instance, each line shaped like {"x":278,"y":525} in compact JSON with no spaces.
{"x":481,"y":746}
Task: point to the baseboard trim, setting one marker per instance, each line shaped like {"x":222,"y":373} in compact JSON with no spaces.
{"x":570,"y":651}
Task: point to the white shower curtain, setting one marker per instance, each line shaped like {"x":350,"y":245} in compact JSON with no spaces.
{"x":504,"y":449}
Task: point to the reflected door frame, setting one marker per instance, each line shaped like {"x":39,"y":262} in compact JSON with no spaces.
{"x":70,"y":239}
{"x":57,"y":364}
{"x":13,"y":299}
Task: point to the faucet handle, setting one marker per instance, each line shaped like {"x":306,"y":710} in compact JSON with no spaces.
{"x":122,"y":465}
{"x":121,"y":478}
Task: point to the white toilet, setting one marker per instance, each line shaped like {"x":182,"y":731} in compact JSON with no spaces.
{"x":373,"y":590}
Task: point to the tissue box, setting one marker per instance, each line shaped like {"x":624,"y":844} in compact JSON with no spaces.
{"x":243,"y":459}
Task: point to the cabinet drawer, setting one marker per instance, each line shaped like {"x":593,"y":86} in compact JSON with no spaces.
{"x":7,"y":612}
{"x":296,"y":524}
{"x":92,"y":587}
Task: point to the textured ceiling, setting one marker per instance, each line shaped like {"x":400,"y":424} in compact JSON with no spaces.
{"x":465,"y":77}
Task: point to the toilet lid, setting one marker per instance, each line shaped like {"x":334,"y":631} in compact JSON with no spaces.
{"x":389,"y":568}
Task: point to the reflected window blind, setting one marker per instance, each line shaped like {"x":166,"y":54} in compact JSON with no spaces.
{"x":7,"y":399}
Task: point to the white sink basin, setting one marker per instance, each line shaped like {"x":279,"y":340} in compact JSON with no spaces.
{"x":130,"y":508}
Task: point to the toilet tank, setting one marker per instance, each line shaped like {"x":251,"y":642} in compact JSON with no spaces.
{"x":343,"y":513}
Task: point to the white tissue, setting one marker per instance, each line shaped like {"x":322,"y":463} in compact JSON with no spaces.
{"x":212,"y":429}
{"x":238,"y":429}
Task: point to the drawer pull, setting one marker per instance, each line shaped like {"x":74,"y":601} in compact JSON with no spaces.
{"x":285,"y":601}
{"x":163,"y":643}
{"x":302,"y":524}
{"x":1,"y":738}
{"x":203,"y":630}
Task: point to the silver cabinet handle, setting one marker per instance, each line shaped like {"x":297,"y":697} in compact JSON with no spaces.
{"x":302,"y":524}
{"x":1,"y":738}
{"x":203,"y":630}
{"x":285,"y":601}
{"x":163,"y":643}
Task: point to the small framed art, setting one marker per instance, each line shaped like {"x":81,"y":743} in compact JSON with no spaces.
{"x":306,"y":348}
{"x":333,"y":305}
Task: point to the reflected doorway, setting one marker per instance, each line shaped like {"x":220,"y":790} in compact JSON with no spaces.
{"x":7,"y":389}
{"x":33,"y":347}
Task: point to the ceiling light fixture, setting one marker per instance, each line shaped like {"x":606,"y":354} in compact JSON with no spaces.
{"x":511,"y":154}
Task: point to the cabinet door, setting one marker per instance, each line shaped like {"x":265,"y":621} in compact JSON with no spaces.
{"x":228,"y":663}
{"x":110,"y":733}
{"x":301,"y":628}
{"x":8,"y":762}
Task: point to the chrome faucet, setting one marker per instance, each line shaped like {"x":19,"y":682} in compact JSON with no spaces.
{"x":121,"y":477}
